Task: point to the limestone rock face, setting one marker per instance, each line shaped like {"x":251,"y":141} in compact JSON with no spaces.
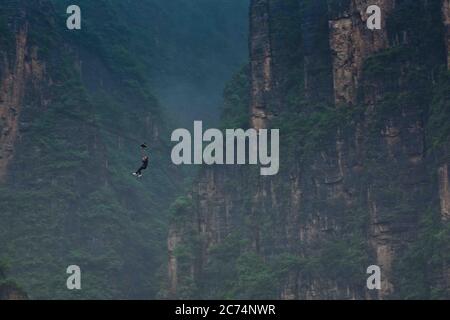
{"x":368,"y":187}
{"x":446,"y":20}
{"x":261,"y":62}
{"x":351,"y":43}
{"x":444,"y":189}
{"x":269,"y":61}
{"x":443,"y":171}
{"x":19,"y":75}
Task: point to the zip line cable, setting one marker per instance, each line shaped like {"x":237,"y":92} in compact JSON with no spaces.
{"x":71,"y":116}
{"x":77,"y":118}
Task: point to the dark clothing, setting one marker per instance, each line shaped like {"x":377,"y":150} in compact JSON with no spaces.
{"x":139,"y":172}
{"x":143,"y":167}
{"x":145,"y":163}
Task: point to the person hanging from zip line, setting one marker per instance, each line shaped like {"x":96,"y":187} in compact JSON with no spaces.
{"x":145,"y":159}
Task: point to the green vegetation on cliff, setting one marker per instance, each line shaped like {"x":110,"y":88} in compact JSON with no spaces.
{"x":357,"y":184}
{"x":69,"y":197}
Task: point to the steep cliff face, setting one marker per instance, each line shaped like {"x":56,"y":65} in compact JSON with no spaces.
{"x":402,"y":133}
{"x":261,"y":62}
{"x":446,"y":19}
{"x":351,"y":43}
{"x":443,"y":170}
{"x":269,"y":61}
{"x":23,"y":74}
{"x":444,"y":191}
{"x":73,"y":111}
{"x":358,"y":184}
{"x":444,"y":159}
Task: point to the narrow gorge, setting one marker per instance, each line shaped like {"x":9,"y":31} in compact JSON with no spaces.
{"x":75,"y":106}
{"x":364,"y":122}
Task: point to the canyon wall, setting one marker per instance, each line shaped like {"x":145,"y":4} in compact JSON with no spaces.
{"x":21,"y":74}
{"x":358,"y":183}
{"x":443,"y":170}
{"x":74,"y":108}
